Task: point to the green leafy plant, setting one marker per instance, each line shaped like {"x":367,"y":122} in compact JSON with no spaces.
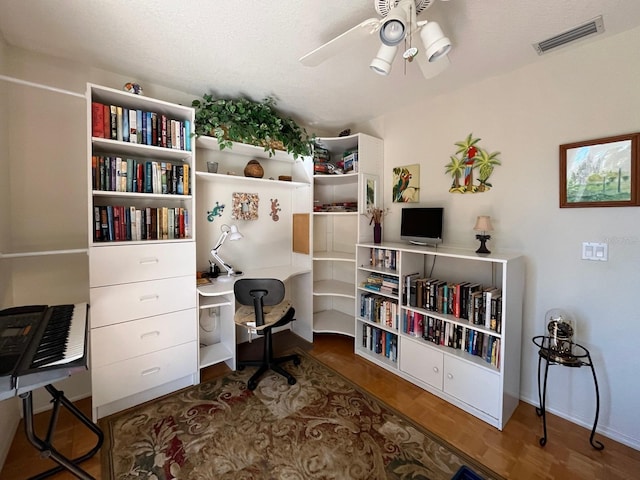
{"x":247,"y":121}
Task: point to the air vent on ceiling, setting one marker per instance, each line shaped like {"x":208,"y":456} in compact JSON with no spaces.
{"x":592,"y":27}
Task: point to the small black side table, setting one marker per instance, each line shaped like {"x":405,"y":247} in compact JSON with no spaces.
{"x":579,"y":358}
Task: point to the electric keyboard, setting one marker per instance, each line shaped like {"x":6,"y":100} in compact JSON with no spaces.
{"x":40,"y":345}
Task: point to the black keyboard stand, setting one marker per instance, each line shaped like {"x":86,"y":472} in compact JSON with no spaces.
{"x":45,"y":446}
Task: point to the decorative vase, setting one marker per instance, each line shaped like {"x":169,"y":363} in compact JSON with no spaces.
{"x":253,"y":169}
{"x":377,"y":233}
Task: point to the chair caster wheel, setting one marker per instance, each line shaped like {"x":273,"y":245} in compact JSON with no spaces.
{"x":543,"y":442}
{"x":252,"y":385}
{"x":291,"y":381}
{"x":296,"y":361}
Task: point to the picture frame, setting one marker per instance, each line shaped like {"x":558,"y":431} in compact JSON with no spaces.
{"x":369,"y":197}
{"x":602,"y":172}
{"x":406,"y":184}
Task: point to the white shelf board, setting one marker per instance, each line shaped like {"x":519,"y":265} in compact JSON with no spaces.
{"x":253,"y":151}
{"x":104,"y":145}
{"x":217,"y":301}
{"x":335,"y":256}
{"x":337,"y":214}
{"x":339,"y":144}
{"x":213,"y":354}
{"x":454,"y":252}
{"x":334,"y":288}
{"x":164,"y":196}
{"x":239,"y":178}
{"x":378,"y":359}
{"x":342,"y":179}
{"x":333,"y":321}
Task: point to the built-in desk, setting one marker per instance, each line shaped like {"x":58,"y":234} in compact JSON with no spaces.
{"x":219,"y":294}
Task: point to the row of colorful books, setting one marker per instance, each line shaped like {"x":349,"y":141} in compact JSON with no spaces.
{"x":378,"y":282}
{"x":481,"y":305}
{"x":377,"y":309}
{"x":380,"y":341}
{"x":383,"y":258}
{"x":118,"y":223}
{"x":138,"y":126}
{"x":441,"y":332}
{"x":117,"y":174}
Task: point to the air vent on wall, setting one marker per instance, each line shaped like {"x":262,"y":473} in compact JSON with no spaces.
{"x":592,"y":27}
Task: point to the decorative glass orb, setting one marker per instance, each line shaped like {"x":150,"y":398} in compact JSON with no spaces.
{"x":560,"y":330}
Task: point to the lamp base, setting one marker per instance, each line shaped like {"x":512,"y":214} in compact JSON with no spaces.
{"x":483,"y":243}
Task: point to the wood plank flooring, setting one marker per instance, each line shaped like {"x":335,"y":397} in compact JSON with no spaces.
{"x":513,"y":453}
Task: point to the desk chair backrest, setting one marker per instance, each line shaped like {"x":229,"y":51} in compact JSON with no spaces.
{"x":259,"y":292}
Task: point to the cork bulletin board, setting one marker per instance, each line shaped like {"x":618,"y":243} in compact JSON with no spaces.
{"x":301,"y":233}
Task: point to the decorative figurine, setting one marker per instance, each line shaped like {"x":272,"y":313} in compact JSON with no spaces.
{"x":275,"y":208}
{"x":134,"y":88}
{"x":216,"y":211}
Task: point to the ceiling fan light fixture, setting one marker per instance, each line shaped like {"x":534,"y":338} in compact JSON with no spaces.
{"x":381,"y":64}
{"x":435,"y":43}
{"x":392,"y":32}
{"x":394,"y":26}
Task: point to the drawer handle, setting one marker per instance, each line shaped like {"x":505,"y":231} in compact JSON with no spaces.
{"x":147,"y":298}
{"x":144,"y":261}
{"x":151,"y":371}
{"x":449,"y":376}
{"x":435,"y":369}
{"x":155,"y":333}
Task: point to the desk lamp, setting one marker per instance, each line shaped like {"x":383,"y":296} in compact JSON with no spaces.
{"x":232,"y":233}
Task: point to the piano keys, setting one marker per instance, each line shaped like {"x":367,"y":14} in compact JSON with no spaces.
{"x":40,"y":345}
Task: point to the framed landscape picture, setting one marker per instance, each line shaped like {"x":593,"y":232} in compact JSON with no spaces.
{"x":600,"y":173}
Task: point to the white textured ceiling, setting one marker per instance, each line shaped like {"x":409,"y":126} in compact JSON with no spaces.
{"x":252,"y":47}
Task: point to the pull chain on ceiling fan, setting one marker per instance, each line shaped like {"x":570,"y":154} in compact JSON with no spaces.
{"x":398,"y":23}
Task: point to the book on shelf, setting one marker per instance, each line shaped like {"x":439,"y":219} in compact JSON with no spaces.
{"x":488,"y":294}
{"x":125,"y":223}
{"x":125,"y":125}
{"x":97,"y":120}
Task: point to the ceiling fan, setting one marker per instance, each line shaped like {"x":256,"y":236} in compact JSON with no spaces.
{"x":398,"y":24}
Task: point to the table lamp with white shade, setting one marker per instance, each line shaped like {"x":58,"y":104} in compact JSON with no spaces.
{"x":483,"y":224}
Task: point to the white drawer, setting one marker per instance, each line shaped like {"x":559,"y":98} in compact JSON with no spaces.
{"x":473,"y":385}
{"x":421,"y":362}
{"x":135,"y":375}
{"x":121,"y":303}
{"x":113,"y":265}
{"x":115,"y":343}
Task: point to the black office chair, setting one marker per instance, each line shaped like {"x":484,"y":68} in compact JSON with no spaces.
{"x":263,"y":309}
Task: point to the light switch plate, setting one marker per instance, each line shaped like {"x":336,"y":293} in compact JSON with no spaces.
{"x":595,"y":251}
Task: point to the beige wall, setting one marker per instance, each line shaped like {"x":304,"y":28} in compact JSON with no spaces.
{"x":9,"y":413}
{"x":583,"y":92}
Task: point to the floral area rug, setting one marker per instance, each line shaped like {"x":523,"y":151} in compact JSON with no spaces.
{"x":323,"y":427}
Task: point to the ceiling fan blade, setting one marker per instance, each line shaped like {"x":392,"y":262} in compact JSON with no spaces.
{"x":432,"y":69}
{"x":341,"y":42}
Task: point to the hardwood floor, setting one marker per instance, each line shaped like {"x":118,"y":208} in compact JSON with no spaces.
{"x":513,"y":453}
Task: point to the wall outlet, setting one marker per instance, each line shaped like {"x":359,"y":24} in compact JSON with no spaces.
{"x":595,"y":251}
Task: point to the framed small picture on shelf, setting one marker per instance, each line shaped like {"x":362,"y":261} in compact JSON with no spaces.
{"x":369,"y":195}
{"x":600,"y":173}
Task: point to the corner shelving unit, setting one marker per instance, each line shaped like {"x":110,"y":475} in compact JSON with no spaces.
{"x":335,"y":232}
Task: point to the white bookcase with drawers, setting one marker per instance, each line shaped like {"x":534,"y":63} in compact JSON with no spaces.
{"x":143,"y":320}
{"x":414,"y":317}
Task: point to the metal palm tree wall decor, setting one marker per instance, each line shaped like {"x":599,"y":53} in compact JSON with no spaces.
{"x":469,"y":158}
